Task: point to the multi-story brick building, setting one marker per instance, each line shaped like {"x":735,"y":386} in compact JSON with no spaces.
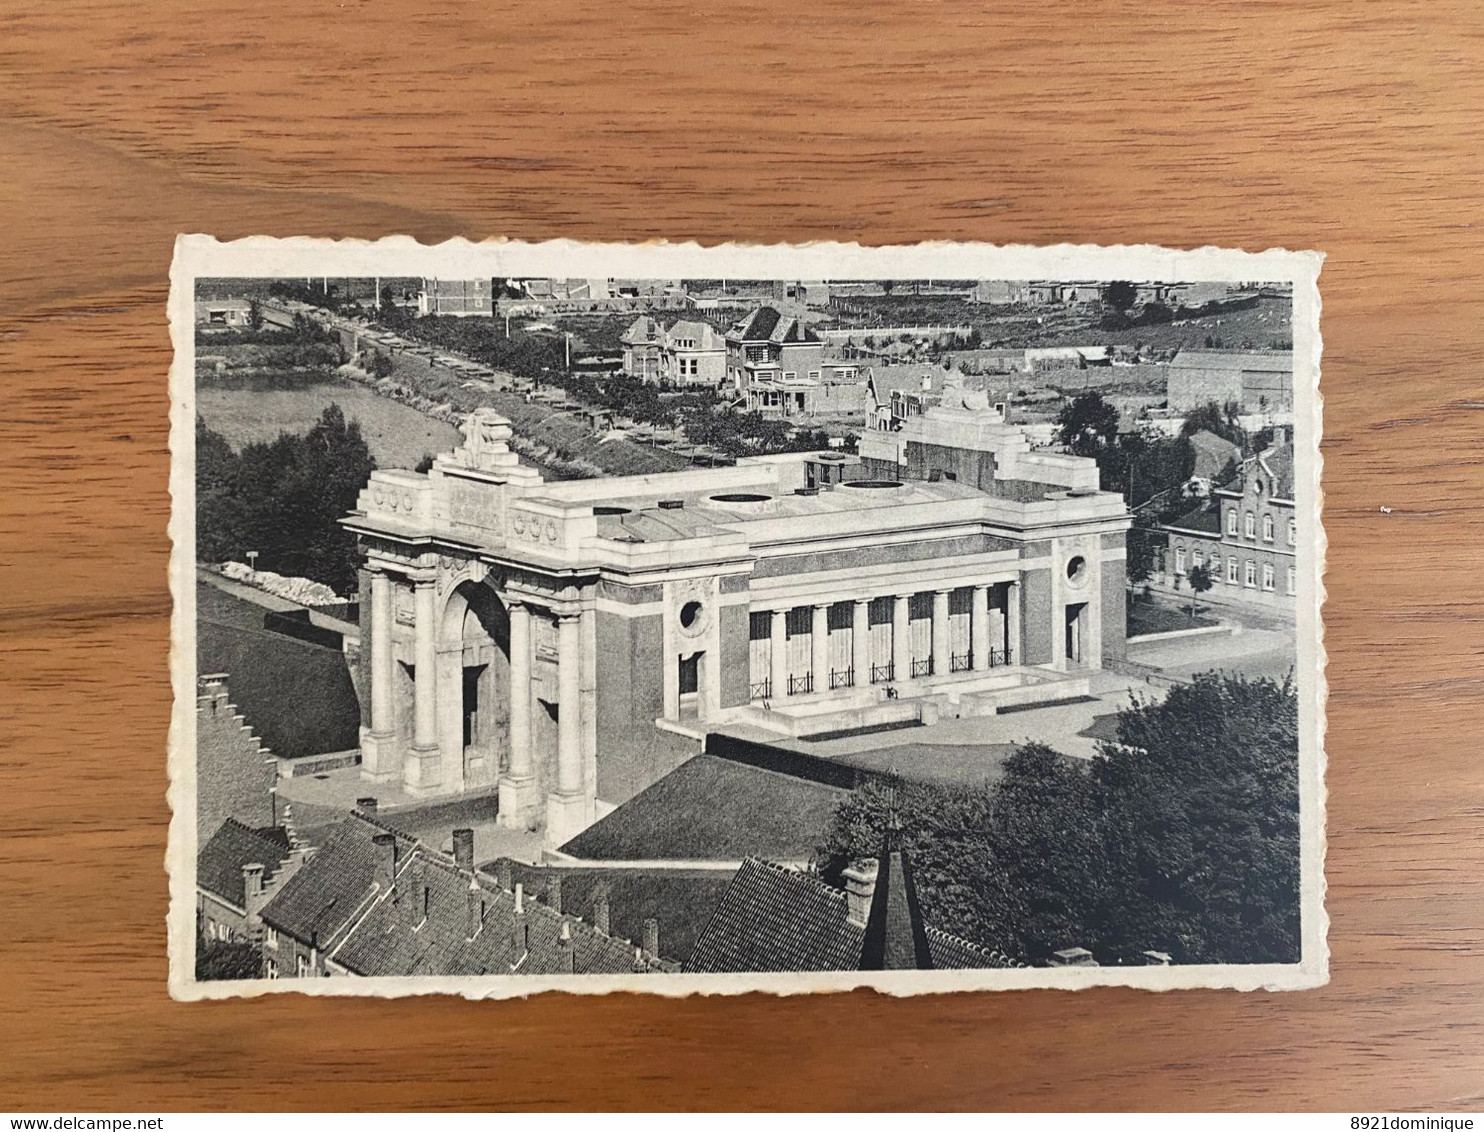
{"x":457,"y":297}
{"x":1258,"y":383}
{"x":688,"y":353}
{"x":1245,"y":534}
{"x":572,"y":642}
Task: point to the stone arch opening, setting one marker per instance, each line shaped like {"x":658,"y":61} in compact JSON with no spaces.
{"x":474,"y":683}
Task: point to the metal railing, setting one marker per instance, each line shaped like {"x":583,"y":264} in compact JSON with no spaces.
{"x":844,"y":679}
{"x":762,"y":690}
{"x":960,"y":661}
{"x":883,"y":673}
{"x":798,"y":685}
{"x":922,"y":668}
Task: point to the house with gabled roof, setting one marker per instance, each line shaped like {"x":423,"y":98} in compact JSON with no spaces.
{"x":1245,"y":535}
{"x":235,"y":871}
{"x":440,"y":916}
{"x":311,"y":914}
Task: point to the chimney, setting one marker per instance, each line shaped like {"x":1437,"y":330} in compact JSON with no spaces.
{"x":652,"y":937}
{"x":564,"y":950}
{"x":504,"y":874}
{"x":554,"y":894}
{"x":386,"y":859}
{"x":860,"y":889}
{"x":600,"y":909}
{"x":476,"y":908}
{"x":366,"y":805}
{"x":253,"y":895}
{"x":1073,"y":957}
{"x":463,"y":849}
{"x":520,"y":933}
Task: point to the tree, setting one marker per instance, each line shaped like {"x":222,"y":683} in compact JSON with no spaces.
{"x":1200,"y":581}
{"x":255,"y":314}
{"x":1087,"y":424}
{"x":284,"y":499}
{"x":1120,"y":295}
{"x":1180,"y":836}
{"x":1218,"y":419}
{"x":227,"y":959}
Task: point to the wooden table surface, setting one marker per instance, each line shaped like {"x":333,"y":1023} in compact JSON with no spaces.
{"x":1348,"y":127}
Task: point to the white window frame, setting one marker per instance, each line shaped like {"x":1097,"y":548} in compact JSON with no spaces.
{"x":273,"y":968}
{"x":1249,"y":575}
{"x":1180,"y":560}
{"x":1292,"y":532}
{"x":301,"y":966}
{"x":1292,"y":581}
{"x":1269,"y":578}
{"x":1267,"y":528}
{"x":1249,"y":525}
{"x":270,"y":938}
{"x":1231,"y":522}
{"x":1233,"y":567}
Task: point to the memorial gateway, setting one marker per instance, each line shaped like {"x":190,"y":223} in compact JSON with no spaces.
{"x":568,"y":643}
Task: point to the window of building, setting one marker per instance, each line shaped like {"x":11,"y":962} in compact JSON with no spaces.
{"x":1249,"y":526}
{"x":1197,"y":558}
{"x":1231,"y":571}
{"x":813,"y":375}
{"x":1292,"y":581}
{"x":790,"y":375}
{"x":270,"y":938}
{"x":1267,"y":576}
{"x":301,"y":966}
{"x":1267,"y":528}
{"x":1250,"y":574}
{"x":1231,"y":522}
{"x":1214,"y":566}
{"x":1292,"y":532}
{"x":1179,"y":560}
{"x":273,"y":968}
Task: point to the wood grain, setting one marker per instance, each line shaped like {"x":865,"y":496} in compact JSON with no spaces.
{"x":1352,"y":128}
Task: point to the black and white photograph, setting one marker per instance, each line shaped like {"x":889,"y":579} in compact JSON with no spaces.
{"x":789,"y":619}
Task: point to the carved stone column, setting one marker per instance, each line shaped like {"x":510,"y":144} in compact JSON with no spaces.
{"x":518,"y":783}
{"x":819,"y":648}
{"x":860,"y":641}
{"x":901,"y":637}
{"x":379,"y":745}
{"x":421,"y":771}
{"x":979,"y":642}
{"x":942,"y":665}
{"x":778,"y":652}
{"x":566,"y":807}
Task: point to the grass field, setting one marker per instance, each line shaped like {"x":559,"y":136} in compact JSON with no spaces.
{"x":398,"y":435}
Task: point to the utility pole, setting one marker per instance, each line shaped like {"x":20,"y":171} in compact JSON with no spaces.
{"x":378,"y":293}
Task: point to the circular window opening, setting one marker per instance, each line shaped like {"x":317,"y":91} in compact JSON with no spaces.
{"x":612,"y":511}
{"x":873,"y":483}
{"x":741,"y":497}
{"x":690,"y":613}
{"x":1077,"y":569}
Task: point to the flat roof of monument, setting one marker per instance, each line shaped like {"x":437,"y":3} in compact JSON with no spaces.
{"x":690,"y":510}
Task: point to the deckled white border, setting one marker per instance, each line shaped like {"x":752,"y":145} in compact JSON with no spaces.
{"x":198,"y":255}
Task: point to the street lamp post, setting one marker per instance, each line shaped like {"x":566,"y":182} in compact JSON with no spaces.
{"x":252,"y":561}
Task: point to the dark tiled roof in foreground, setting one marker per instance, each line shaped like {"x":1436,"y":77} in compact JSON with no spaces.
{"x":439,"y":920}
{"x":680,"y":901}
{"x":220,"y":861}
{"x":333,"y":886}
{"x":713,"y":809}
{"x":778,"y":919}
